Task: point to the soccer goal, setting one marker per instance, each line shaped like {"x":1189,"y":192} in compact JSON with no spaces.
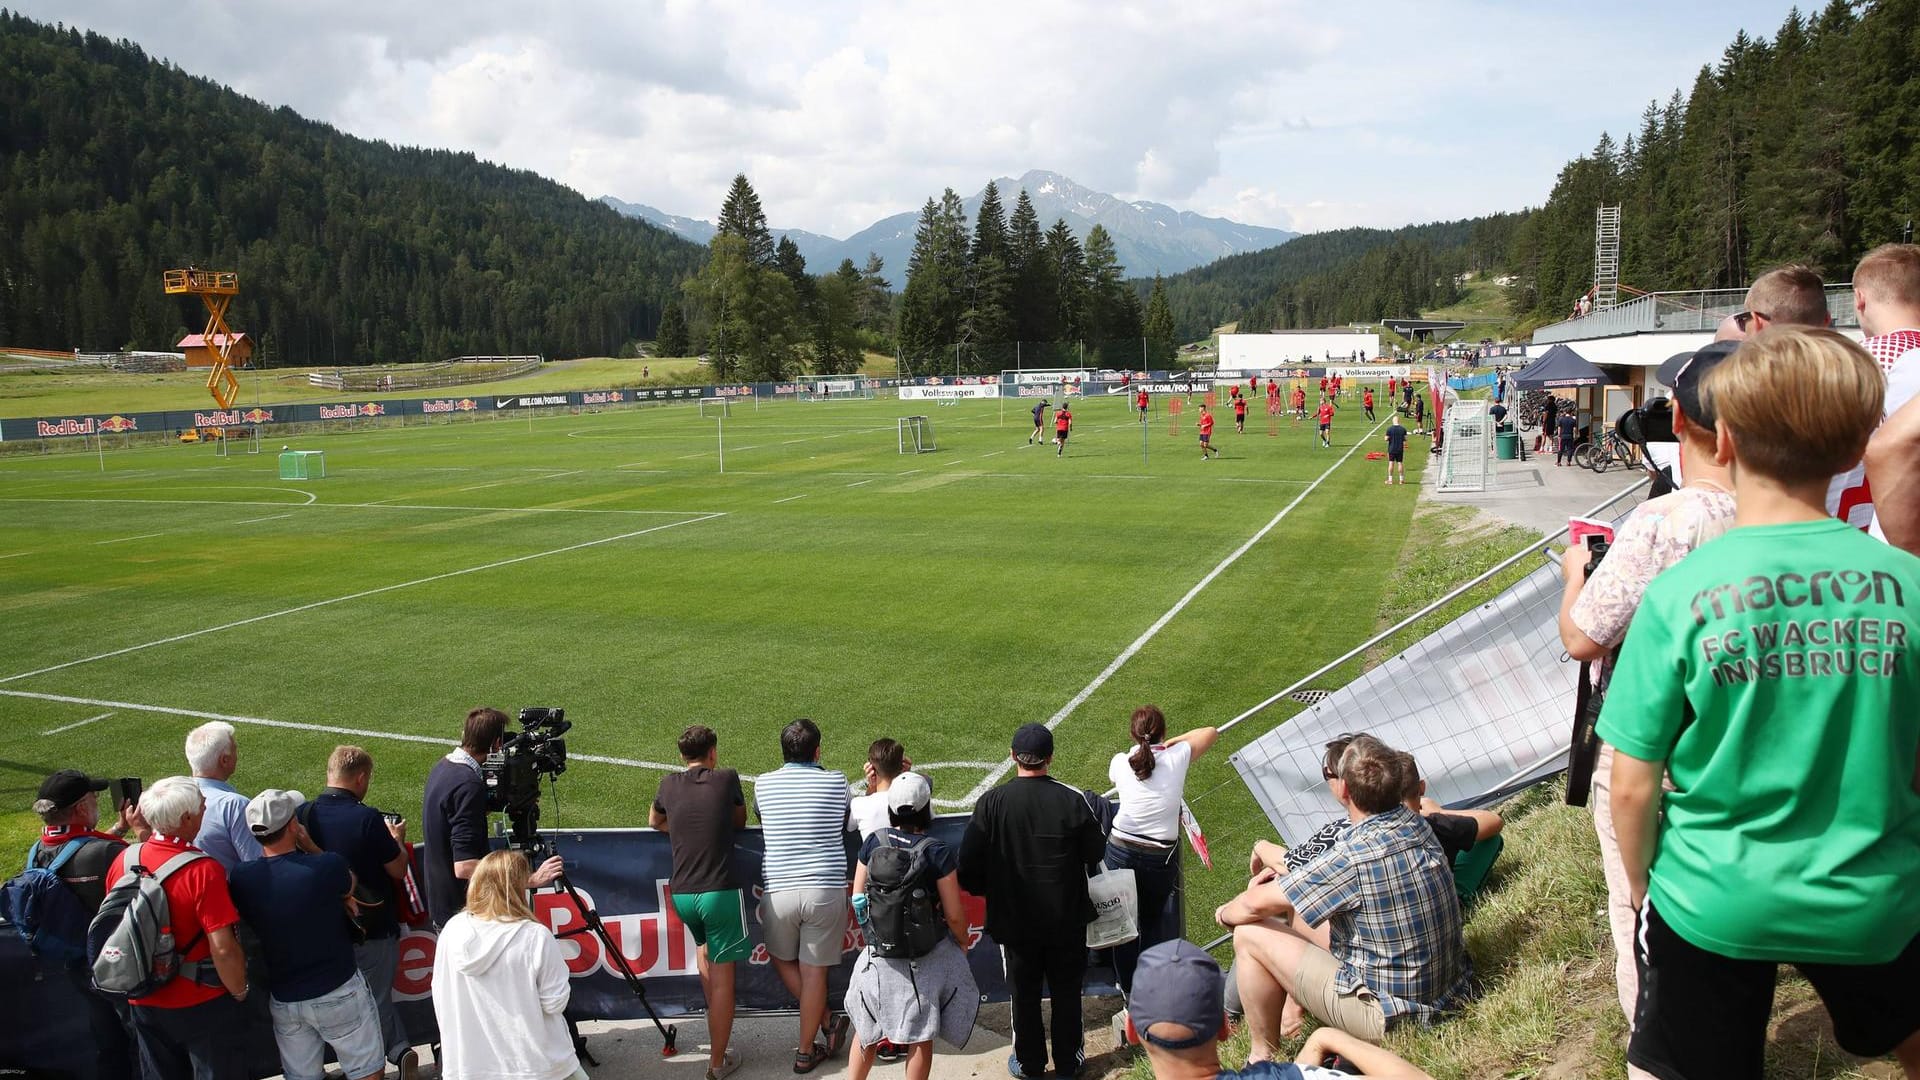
{"x":716,"y":406}
{"x":916,"y":434}
{"x":303,"y":464}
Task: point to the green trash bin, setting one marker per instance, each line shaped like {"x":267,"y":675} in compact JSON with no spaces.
{"x":1506,"y":445}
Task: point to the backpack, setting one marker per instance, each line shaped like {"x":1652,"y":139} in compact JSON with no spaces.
{"x":130,"y":942}
{"x":44,"y":909}
{"x":901,"y":913}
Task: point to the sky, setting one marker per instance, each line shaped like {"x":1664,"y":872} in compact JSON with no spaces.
{"x":1296,"y":115}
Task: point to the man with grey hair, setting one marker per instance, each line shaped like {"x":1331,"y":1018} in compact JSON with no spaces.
{"x":193,"y":1026}
{"x":213,"y":756}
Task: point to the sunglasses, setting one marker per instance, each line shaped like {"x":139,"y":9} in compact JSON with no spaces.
{"x":1742,"y":319}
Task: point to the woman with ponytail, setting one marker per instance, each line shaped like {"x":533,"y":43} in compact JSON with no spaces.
{"x":1151,"y":780}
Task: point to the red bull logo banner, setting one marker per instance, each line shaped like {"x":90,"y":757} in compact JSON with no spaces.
{"x":733,"y":391}
{"x":602,"y":397}
{"x":339,"y":412}
{"x":218,"y":418}
{"x":84,"y":425}
{"x":436,"y":406}
{"x":258,"y":416}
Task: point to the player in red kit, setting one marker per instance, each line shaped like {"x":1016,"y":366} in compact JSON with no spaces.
{"x":1240,"y":414}
{"x":1326,"y":422}
{"x":1140,"y":402}
{"x":1366,"y":402}
{"x":1062,"y":425}
{"x":1206,"y":433}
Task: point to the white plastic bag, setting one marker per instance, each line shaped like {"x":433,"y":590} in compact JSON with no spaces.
{"x":1116,"y":907}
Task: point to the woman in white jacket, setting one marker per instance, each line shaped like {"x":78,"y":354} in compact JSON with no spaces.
{"x":499,"y":984}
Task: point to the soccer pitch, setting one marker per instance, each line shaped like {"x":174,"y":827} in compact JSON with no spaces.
{"x":604,"y":563}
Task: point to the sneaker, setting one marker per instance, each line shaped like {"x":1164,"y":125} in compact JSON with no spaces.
{"x":729,"y":1064}
{"x":1014,"y":1070}
{"x":408,"y":1064}
{"x":837,"y":1028}
{"x":889,"y":1053}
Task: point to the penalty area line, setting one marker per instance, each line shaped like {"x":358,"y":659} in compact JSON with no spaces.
{"x":1000,"y":771}
{"x":364,"y":593}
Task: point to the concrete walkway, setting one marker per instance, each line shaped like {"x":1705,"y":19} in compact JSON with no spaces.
{"x":1535,"y":493}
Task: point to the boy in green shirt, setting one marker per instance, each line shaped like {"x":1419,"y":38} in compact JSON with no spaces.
{"x":1774,"y":673}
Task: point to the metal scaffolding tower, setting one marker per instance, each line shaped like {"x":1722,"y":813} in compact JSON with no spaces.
{"x":1606,"y":257}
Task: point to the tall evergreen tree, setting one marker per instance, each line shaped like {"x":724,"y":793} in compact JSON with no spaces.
{"x":1033,"y":280}
{"x":987,"y":318}
{"x":740,"y":215}
{"x":1068,"y":266}
{"x":1158,"y":326}
{"x":672,"y":338}
{"x":1106,"y":309}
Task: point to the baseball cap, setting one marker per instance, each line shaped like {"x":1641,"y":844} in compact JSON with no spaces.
{"x":269,"y":811}
{"x":1033,"y":740}
{"x":1177,"y":983}
{"x":68,"y":786}
{"x":1683,"y":372}
{"x":909,"y":791}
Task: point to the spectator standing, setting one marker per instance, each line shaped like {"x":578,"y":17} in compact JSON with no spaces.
{"x":1778,"y":652}
{"x":192,"y":1027}
{"x":1395,"y":927}
{"x":1396,"y":451}
{"x":1600,"y":599}
{"x":906,"y":1002}
{"x":213,"y":755}
{"x":700,"y":810}
{"x":1893,"y":466}
{"x":1027,"y":850}
{"x":803,"y":811}
{"x":1785,"y":296}
{"x":1886,"y":294}
{"x":1151,"y":780}
{"x":68,"y":805}
{"x":298,"y":905}
{"x":1177,"y":1012}
{"x":1566,"y":432}
{"x":453,"y":818}
{"x":500,"y":984}
{"x":340,"y":821}
{"x":886,"y":759}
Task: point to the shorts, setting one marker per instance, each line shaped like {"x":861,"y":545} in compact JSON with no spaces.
{"x":1206,"y":439}
{"x":1399,"y":455}
{"x":344,"y":1018}
{"x":1873,"y":1006}
{"x":1357,"y":1013}
{"x":809,"y":925}
{"x":716,"y":921}
{"x":1325,"y":427}
{"x":1060,"y":435}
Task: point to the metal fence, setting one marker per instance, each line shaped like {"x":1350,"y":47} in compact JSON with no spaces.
{"x":1699,"y":309}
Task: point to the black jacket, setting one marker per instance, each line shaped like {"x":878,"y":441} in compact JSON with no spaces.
{"x":1027,"y":851}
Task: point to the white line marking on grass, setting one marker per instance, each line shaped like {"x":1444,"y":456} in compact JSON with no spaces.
{"x":124,"y":539}
{"x":1000,"y":770}
{"x":270,"y":517}
{"x":996,"y":453}
{"x":373,"y":506}
{"x":856,"y":483}
{"x":494,"y":483}
{"x":16,"y":555}
{"x":909,"y":472}
{"x":70,"y":727}
{"x":362,"y":595}
{"x":788,"y":499}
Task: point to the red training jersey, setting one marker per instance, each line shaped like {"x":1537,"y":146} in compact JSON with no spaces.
{"x":1206,"y":423}
{"x":1062,"y":420}
{"x":1240,"y":407}
{"x":1368,"y":400}
{"x":1141,"y":399}
{"x":1326,"y":413}
{"x":1299,"y":399}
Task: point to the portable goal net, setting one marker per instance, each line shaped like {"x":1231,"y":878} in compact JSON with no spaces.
{"x":716,"y":406}
{"x":916,"y":434}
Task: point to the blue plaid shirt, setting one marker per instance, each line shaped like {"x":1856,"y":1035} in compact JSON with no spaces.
{"x":1395,"y":919}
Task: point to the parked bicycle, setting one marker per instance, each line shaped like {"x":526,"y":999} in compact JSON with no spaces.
{"x":1533,"y":408}
{"x":1614,"y":449}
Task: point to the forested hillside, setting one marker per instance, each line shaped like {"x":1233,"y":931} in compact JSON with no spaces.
{"x":1331,"y":278}
{"x":117,"y":166}
{"x":1796,"y":149}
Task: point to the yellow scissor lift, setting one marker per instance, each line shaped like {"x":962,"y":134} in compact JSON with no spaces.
{"x":216,"y":288}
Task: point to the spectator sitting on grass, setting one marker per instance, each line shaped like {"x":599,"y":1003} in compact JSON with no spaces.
{"x":1176,"y":1010}
{"x":1268,"y":855}
{"x":886,"y":759}
{"x":1456,"y":830}
{"x":1395,"y":925}
{"x":1773,"y":672}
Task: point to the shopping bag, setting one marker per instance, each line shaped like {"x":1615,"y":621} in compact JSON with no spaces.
{"x":1116,"y":906}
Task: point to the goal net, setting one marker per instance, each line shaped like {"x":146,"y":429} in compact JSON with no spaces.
{"x":839,"y":387}
{"x":916,"y":434}
{"x":303,"y":464}
{"x":711,"y":407}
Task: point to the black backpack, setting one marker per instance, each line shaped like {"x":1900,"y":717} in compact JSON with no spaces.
{"x":903,"y":916}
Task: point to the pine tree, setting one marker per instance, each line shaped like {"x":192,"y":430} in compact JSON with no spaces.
{"x":740,"y":215}
{"x":987,"y":319}
{"x":1105,"y":307}
{"x":1033,"y":287}
{"x":1158,"y":324}
{"x":672,"y":338}
{"x":1068,"y":267}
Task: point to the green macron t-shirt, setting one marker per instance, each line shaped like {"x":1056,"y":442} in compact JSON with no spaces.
{"x":1774,"y":671}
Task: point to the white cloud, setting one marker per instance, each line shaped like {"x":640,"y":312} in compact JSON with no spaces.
{"x":1275,"y":112}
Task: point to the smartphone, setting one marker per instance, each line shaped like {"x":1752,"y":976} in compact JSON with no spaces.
{"x":124,"y":792}
{"x":393,"y":818}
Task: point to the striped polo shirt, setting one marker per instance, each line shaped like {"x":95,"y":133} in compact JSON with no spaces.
{"x":803,"y":819}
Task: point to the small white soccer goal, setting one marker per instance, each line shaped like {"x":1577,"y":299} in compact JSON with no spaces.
{"x":916,"y":434}
{"x":836,"y":388}
{"x":712,"y":407}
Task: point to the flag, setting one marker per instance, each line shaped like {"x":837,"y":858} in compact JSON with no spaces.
{"x":1194,"y":836}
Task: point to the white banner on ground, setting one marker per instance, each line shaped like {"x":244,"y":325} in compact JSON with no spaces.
{"x":1482,"y":702}
{"x":947,"y":393}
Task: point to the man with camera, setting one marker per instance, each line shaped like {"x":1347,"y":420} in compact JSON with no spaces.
{"x":453,"y":819}
{"x":1602,"y":595}
{"x":340,"y":822}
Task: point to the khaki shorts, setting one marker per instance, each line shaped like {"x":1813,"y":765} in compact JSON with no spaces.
{"x":1358,"y":1014}
{"x":805,"y":924}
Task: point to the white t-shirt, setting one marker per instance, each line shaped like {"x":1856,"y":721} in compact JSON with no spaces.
{"x":869,"y":814}
{"x":1150,"y":808}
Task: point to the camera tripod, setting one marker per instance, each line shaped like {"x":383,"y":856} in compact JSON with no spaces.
{"x":525,"y":838}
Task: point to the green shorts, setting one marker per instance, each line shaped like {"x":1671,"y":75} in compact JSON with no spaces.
{"x":717,"y":921}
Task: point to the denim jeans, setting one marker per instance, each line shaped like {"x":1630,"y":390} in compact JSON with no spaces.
{"x":344,"y":1018}
{"x":1157,"y":877}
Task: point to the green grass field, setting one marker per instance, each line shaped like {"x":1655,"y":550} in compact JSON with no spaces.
{"x":603,"y":563}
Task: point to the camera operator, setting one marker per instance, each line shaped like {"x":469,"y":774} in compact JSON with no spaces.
{"x":1601,"y":597}
{"x":453,"y":818}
